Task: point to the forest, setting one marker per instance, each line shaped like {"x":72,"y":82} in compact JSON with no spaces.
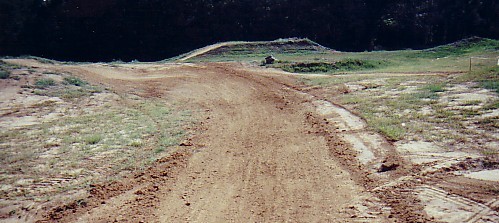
{"x":151,"y":30}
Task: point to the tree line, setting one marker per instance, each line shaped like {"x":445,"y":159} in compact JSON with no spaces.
{"x":104,"y":30}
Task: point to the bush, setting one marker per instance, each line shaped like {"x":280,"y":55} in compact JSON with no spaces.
{"x":44,"y":82}
{"x":74,"y":81}
{"x":4,"y":74}
{"x":93,"y":139}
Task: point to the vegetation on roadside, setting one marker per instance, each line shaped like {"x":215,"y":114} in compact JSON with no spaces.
{"x":423,"y":108}
{"x":347,"y":64}
{"x":4,"y":74}
{"x":310,"y":58}
{"x":70,"y":88}
{"x":74,"y":81}
{"x":449,"y":109}
{"x":459,"y":48}
{"x":44,"y":83}
{"x":86,"y":149}
{"x":486,"y":78}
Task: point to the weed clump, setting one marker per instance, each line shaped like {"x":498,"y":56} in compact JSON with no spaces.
{"x":93,"y":139}
{"x":4,"y":74}
{"x":74,"y":81}
{"x":44,"y":83}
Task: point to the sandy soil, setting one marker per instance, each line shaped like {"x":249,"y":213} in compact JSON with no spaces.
{"x":264,"y":151}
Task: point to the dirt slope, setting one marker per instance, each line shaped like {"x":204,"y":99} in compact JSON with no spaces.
{"x":204,"y":50}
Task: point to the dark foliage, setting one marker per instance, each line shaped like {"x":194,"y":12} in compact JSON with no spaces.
{"x":92,"y":30}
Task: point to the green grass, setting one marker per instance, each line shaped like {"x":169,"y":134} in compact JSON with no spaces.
{"x":93,"y":139}
{"x":449,"y":58}
{"x":73,"y":88}
{"x":390,"y":127}
{"x":487,"y":78}
{"x":460,"y":48}
{"x":417,"y":107}
{"x":91,"y":147}
{"x":347,"y":64}
{"x":74,"y":81}
{"x":491,"y":105}
{"x":44,"y":83}
{"x":437,"y":87}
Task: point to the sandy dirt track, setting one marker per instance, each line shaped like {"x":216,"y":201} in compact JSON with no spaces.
{"x":262,"y":147}
{"x":258,"y":163}
{"x":256,"y":160}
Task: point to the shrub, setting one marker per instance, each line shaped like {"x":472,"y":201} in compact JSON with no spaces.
{"x":93,"y":139}
{"x":4,"y":74}
{"x":44,"y":82}
{"x":74,"y":81}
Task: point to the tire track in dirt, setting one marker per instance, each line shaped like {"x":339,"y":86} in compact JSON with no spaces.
{"x":464,"y":210}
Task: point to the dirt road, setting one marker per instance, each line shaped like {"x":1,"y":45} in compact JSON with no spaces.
{"x":255,"y":157}
{"x":258,"y":163}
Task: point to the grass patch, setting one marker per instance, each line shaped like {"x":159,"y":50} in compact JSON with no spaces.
{"x":73,"y":88}
{"x":460,"y":48}
{"x":490,"y":84}
{"x":74,"y":81}
{"x":118,"y":140}
{"x":468,"y":113}
{"x":64,"y":93}
{"x":348,"y":64}
{"x":444,"y":113}
{"x":136,"y":143}
{"x":44,"y":83}
{"x":491,"y":105}
{"x":471,"y":103}
{"x":426,"y":95}
{"x":93,"y":139}
{"x":391,"y":127}
{"x":487,"y":78}
{"x":435,"y":88}
{"x":490,"y":123}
